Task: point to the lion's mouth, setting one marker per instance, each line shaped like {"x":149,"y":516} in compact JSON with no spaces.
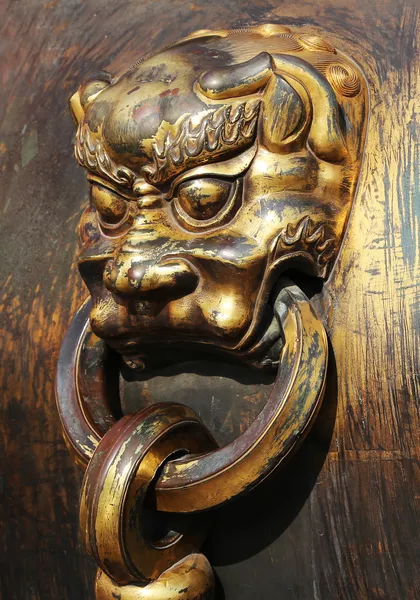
{"x":147,"y":353}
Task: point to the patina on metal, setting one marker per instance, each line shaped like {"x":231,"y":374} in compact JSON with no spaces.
{"x":215,"y":167}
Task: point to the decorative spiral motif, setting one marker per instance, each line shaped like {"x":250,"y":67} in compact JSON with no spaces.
{"x":344,"y":80}
{"x":316,"y":43}
{"x":241,"y":30}
{"x":289,"y":42}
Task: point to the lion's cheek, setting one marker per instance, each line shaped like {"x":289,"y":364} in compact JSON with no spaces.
{"x":228,"y":316}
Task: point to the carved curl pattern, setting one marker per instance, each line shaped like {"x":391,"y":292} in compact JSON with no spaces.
{"x":314,"y":239}
{"x":210,"y":132}
{"x":344,"y":79}
{"x":91,"y":154}
{"x":341,"y":74}
{"x":315,"y":43}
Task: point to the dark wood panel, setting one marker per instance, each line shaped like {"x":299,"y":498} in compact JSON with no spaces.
{"x":342,"y":521}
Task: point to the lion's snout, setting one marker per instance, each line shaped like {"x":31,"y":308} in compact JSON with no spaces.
{"x":170,"y":277}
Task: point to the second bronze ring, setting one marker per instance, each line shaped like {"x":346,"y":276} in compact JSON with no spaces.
{"x":114,"y":513}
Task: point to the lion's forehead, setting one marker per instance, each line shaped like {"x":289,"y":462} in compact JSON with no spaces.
{"x":130,"y":112}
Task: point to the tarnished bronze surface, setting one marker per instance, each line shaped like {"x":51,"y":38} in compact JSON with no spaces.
{"x":341,"y":520}
{"x":200,"y":483}
{"x":85,"y":417}
{"x":214,"y":166}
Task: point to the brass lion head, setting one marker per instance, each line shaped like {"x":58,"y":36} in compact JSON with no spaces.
{"x":214,"y":166}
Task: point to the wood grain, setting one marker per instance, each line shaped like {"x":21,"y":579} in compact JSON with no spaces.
{"x":342,"y":521}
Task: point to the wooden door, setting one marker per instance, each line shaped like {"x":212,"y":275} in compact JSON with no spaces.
{"x":341,"y":521}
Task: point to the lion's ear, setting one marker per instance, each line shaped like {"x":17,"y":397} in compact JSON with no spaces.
{"x":87,"y":92}
{"x":325,"y":135}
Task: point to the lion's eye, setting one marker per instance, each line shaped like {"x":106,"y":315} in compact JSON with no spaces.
{"x":202,"y":199}
{"x":112,"y":209}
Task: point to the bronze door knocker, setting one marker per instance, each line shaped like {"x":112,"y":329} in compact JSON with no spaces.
{"x":215,"y":167}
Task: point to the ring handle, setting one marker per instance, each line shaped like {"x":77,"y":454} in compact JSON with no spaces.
{"x":87,"y":403}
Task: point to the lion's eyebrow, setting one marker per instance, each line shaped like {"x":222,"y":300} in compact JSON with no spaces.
{"x":140,"y":187}
{"x":208,"y":133}
{"x":90,"y":153}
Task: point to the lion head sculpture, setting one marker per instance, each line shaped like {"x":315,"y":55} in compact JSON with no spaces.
{"x":214,"y":166}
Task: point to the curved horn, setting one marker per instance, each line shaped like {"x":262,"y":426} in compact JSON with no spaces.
{"x":237,"y":80}
{"x":281,"y":123}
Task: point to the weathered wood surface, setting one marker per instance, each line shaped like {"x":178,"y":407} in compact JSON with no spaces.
{"x":342,"y":521}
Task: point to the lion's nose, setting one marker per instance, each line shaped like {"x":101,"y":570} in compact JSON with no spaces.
{"x":171,"y":277}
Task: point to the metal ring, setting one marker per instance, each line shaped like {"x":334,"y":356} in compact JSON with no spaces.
{"x":198,"y":483}
{"x":117,"y":482}
{"x":83,"y":394}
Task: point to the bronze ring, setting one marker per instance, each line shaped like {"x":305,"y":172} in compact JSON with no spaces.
{"x":83,"y":393}
{"x":198,"y":483}
{"x":115,"y":488}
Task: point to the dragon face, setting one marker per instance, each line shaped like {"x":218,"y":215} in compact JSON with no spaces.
{"x":214,"y":166}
